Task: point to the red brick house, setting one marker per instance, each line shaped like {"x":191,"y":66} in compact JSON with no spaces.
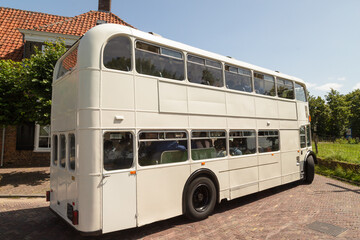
{"x":20,"y":32}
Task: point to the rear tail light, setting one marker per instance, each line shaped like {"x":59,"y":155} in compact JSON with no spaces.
{"x":73,"y":215}
{"x":75,"y":219}
{"x":48,"y":196}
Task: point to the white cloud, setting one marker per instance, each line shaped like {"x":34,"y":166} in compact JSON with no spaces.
{"x":342,"y":79}
{"x":326,"y":87}
{"x":310,"y":85}
{"x":357,"y":86}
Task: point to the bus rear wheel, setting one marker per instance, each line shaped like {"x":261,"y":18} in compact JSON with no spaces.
{"x":200,"y":198}
{"x":309,"y":170}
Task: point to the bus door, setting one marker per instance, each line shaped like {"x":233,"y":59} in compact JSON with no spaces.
{"x":118,"y":181}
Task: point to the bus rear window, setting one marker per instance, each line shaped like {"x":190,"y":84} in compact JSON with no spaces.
{"x":68,"y":63}
{"x":117,"y":54}
{"x":300,"y":93}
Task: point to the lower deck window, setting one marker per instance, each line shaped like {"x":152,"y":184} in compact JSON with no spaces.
{"x":208,"y":144}
{"x":62,"y":150}
{"x":242,"y":142}
{"x":118,"y":150}
{"x":268,"y":141}
{"x":162,"y":147}
{"x":302,"y":137}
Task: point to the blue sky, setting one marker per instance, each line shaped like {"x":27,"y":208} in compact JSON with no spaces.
{"x":315,"y":40}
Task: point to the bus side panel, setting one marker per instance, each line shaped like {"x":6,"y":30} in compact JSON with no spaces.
{"x":159,"y":192}
{"x":206,"y":101}
{"x":269,"y":171}
{"x":287,"y":110}
{"x":290,"y":169}
{"x":240,"y":105}
{"x":244,"y":176}
{"x":90,"y":180}
{"x":266,"y":108}
{"x":172,"y":98}
{"x":117,"y":91}
{"x":89,"y":89}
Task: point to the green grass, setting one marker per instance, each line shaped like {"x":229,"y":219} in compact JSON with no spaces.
{"x":343,"y":152}
{"x":347,"y":174}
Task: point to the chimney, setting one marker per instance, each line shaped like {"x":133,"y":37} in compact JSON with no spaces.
{"x":104,"y":5}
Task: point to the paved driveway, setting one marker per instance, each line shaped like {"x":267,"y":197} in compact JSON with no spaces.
{"x":285,"y":212}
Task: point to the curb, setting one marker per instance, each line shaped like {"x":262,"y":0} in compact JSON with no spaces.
{"x":22,"y":196}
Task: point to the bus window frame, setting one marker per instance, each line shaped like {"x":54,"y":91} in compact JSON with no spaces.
{"x":164,"y":131}
{"x":257,"y":141}
{"x":196,"y":55}
{"x":134,"y":163}
{"x":226,"y":137}
{"x":68,"y":151}
{"x":132,"y":54}
{"x":243,"y":130}
{"x":62,"y":58}
{"x":238,"y":67}
{"x":160,"y":54}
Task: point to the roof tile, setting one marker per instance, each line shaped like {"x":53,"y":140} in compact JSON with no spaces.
{"x":11,"y":20}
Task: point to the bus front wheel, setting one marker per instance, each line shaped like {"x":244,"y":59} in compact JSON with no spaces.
{"x":200,"y":198}
{"x":309,"y":170}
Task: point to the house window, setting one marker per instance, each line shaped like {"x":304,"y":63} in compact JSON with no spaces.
{"x":42,"y":138}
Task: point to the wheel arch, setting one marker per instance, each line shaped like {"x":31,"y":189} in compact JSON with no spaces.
{"x":311,"y":153}
{"x":202,"y":172}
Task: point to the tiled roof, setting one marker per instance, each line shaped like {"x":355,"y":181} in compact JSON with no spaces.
{"x":11,"y":40}
{"x":80,"y":24}
{"x":11,"y":20}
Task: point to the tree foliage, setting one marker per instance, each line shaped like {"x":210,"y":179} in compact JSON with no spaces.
{"x":319,"y":113}
{"x":25,"y":87}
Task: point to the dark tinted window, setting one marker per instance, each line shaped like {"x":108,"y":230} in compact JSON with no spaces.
{"x":55,"y":150}
{"x":264,"y":84}
{"x":71,"y":151}
{"x":285,"y":88}
{"x":204,"y":71}
{"x":117,"y":54}
{"x":302,"y":137}
{"x":159,"y":61}
{"x":118,"y":150}
{"x":162,"y":147}
{"x":268,"y":141}
{"x":242,"y":142}
{"x":62,"y":150}
{"x":208,"y":144}
{"x":238,"y":78}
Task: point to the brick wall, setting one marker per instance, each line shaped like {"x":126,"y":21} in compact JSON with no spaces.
{"x":21,"y":158}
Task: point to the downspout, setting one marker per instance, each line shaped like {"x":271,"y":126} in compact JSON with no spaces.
{"x":2,"y":146}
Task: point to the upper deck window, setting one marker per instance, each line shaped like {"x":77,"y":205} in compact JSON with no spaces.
{"x":159,"y":61}
{"x":264,"y":84}
{"x":238,"y":78}
{"x":300,"y":92}
{"x":285,"y":88}
{"x":68,"y":63}
{"x":204,"y":71}
{"x":117,"y":54}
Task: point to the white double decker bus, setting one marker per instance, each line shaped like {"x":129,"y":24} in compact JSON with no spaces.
{"x":145,"y":128}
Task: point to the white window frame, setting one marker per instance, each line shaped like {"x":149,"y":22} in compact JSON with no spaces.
{"x":37,"y":138}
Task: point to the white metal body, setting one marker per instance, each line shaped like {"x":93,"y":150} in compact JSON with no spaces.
{"x":91,"y":100}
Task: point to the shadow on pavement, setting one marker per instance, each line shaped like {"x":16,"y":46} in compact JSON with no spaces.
{"x":344,"y":189}
{"x":24,"y":178}
{"x":41,"y":223}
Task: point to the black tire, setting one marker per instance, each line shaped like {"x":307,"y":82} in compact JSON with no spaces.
{"x":309,"y":170}
{"x":200,"y":198}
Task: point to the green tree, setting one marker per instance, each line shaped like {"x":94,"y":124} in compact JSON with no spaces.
{"x":353,"y":99}
{"x":15,"y":102}
{"x":339,"y":113}
{"x":319,"y":113}
{"x":25,"y":87}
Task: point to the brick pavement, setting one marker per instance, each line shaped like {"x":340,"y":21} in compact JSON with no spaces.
{"x":24,"y":181}
{"x":280,"y":213}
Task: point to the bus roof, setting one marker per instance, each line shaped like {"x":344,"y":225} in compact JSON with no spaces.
{"x":110,"y":29}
